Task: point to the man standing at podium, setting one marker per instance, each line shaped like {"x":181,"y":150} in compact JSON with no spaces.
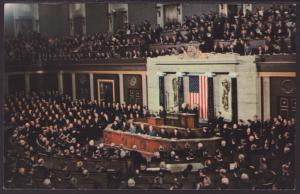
{"x":184,"y":108}
{"x":196,"y":112}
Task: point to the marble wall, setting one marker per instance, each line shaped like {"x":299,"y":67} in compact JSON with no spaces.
{"x":218,"y":95}
{"x":243,"y":66}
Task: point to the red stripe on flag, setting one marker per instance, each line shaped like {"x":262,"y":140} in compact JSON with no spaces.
{"x":200,"y":94}
{"x":200,"y":97}
{"x":203,"y":97}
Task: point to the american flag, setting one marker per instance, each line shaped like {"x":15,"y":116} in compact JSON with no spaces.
{"x":198,"y":94}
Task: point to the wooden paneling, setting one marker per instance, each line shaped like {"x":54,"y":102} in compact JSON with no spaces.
{"x":101,"y":65}
{"x":112,"y":77}
{"x":133,"y":92}
{"x":43,"y":81}
{"x":67,"y":83}
{"x":148,"y":145}
{"x":82,"y":86}
{"x":276,"y":67}
{"x":277,"y":58}
{"x":282,"y":95}
{"x":16,"y":83}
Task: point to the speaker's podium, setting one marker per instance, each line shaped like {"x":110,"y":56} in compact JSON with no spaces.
{"x":155,"y":121}
{"x":187,"y":120}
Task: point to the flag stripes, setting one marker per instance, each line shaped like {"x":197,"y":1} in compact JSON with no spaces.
{"x":198,"y":94}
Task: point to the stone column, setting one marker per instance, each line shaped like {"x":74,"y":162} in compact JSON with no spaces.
{"x":259,"y":97}
{"x":161,"y":88}
{"x":121,"y":85}
{"x":210,"y":96}
{"x":234,"y":100}
{"x":144,"y":88}
{"x":73,"y":86}
{"x":27,"y":83}
{"x":92,"y":86}
{"x":186,"y":89}
{"x":60,"y":82}
{"x":266,"y":98}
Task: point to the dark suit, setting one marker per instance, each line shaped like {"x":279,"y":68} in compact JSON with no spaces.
{"x":163,"y":114}
{"x":177,"y":135}
{"x":164,"y":134}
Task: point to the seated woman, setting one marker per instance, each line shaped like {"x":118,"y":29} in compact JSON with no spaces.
{"x":115,"y":126}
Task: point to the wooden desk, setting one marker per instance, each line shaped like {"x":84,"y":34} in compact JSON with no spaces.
{"x":155,"y":121}
{"x":148,"y":145}
{"x":187,"y":120}
{"x":173,"y":121}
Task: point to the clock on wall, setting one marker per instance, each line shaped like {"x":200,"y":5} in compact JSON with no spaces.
{"x":288,"y":86}
{"x":132,"y":81}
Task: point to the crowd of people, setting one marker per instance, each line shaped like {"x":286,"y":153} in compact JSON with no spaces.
{"x":56,"y":121}
{"x":251,"y":155}
{"x":143,"y":129}
{"x":275,"y":25}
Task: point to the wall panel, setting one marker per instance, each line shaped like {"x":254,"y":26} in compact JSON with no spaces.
{"x":16,"y":83}
{"x":67,"y":83}
{"x":113,"y":77}
{"x":44,"y":81}
{"x":82,"y":86}
{"x":133,"y":93}
{"x":54,"y":19}
{"x":96,"y":17}
{"x":282,"y":94}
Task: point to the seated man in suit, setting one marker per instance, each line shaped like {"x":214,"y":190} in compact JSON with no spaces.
{"x":156,"y":158}
{"x":163,"y":133}
{"x":162,"y":152}
{"x":124,"y":126}
{"x":187,"y":152}
{"x":115,"y":126}
{"x":152,"y":132}
{"x":190,"y":134}
{"x":172,"y":156}
{"x":142,"y":129}
{"x":200,"y":153}
{"x":176,"y":134}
